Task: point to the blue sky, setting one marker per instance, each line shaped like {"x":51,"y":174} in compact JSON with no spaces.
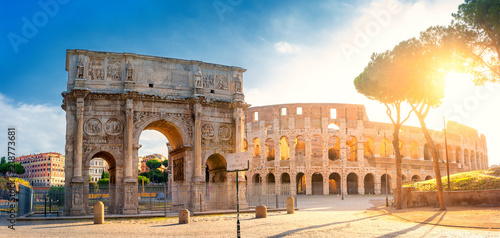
{"x":294,"y":51}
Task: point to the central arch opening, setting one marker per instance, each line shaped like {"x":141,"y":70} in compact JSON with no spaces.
{"x":160,"y":162}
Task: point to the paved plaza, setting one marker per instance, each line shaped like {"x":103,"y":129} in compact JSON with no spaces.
{"x":319,"y":216}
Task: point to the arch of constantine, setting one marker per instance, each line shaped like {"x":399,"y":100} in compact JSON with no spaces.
{"x":112,"y":97}
{"x":317,"y":148}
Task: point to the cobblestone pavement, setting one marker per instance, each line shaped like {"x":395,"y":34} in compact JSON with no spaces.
{"x":319,"y":216}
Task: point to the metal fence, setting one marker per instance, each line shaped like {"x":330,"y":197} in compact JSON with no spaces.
{"x":161,"y":199}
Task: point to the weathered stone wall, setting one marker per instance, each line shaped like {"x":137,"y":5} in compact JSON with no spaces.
{"x":292,"y":140}
{"x":413,"y":198}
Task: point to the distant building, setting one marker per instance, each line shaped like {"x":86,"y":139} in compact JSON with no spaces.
{"x":97,"y":166}
{"x":43,"y":170}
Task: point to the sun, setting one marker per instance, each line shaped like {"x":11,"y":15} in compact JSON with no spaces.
{"x":457,"y":84}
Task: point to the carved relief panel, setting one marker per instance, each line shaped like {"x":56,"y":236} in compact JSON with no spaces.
{"x":92,"y":126}
{"x":114,"y":69}
{"x":179,"y":169}
{"x":113,"y":126}
{"x":96,"y":70}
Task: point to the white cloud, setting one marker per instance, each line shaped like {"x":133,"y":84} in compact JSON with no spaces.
{"x":284,"y":47}
{"x":153,"y":142}
{"x":39,"y":128}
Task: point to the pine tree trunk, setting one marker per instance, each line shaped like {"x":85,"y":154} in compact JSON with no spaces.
{"x":399,"y":185}
{"x":434,"y":153}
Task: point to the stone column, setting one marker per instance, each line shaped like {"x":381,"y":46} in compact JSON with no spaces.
{"x":197,"y":142}
{"x":308,"y":184}
{"x":77,"y":172}
{"x":129,"y":112}
{"x":326,"y":185}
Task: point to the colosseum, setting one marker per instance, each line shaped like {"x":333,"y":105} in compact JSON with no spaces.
{"x":328,"y":148}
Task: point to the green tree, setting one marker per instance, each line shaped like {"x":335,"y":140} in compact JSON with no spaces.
{"x":16,"y":167}
{"x":476,"y":38}
{"x":141,"y":178}
{"x":165,"y":163}
{"x":104,"y":175}
{"x":56,"y":194}
{"x":103,"y":182}
{"x":381,"y":80}
{"x":3,"y":161}
{"x":19,"y":169}
{"x":422,"y":64}
{"x":153,"y":164}
{"x":93,"y":187}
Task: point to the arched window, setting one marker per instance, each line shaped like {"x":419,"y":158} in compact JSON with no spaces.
{"x":333,"y":128}
{"x":284,"y":149}
{"x":352,"y":142}
{"x":245,"y":145}
{"x":300,"y":146}
{"x":270,"y":149}
{"x":334,"y":148}
{"x":256,"y":147}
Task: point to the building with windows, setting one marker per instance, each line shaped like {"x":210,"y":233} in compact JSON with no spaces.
{"x":43,"y":170}
{"x":97,"y":166}
{"x":326,"y":148}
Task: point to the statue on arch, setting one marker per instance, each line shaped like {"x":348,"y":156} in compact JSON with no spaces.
{"x":80,"y":69}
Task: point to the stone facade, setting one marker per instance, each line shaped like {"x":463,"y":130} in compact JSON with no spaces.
{"x":316,"y":148}
{"x":112,"y":97}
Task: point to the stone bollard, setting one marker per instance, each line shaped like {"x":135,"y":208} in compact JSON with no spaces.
{"x":184,"y":216}
{"x":289,"y":205}
{"x":98,"y":213}
{"x":260,"y":211}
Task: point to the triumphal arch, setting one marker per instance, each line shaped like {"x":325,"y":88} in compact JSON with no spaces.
{"x":112,"y":97}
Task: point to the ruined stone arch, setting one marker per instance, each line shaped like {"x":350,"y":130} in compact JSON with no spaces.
{"x":284,"y":148}
{"x":300,"y":146}
{"x":352,"y":143}
{"x":334,"y":148}
{"x":270,"y":149}
{"x":244,"y":147}
{"x":256,"y":147}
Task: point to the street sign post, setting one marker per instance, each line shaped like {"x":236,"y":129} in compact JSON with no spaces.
{"x":237,"y":162}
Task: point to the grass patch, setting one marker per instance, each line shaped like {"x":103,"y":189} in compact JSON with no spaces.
{"x":472,"y":180}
